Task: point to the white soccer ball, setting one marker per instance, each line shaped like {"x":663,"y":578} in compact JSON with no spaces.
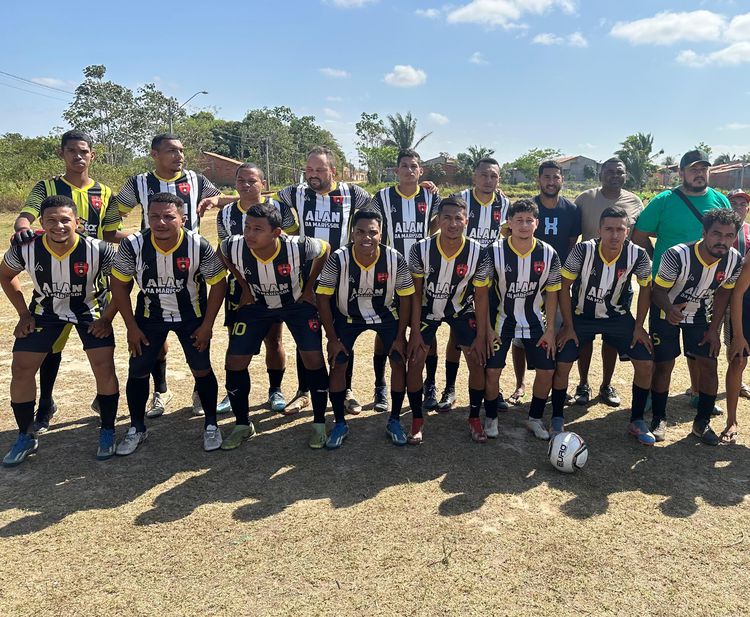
{"x":568,"y":452}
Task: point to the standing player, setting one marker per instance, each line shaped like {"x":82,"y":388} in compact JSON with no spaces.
{"x":406,"y":210}
{"x":172,"y":267}
{"x":738,"y":351}
{"x":599,"y":272}
{"x":693,"y":284}
{"x":68,"y":272}
{"x":449,"y":269}
{"x":488,"y":209}
{"x":97,"y":218}
{"x":364,"y":278}
{"x":249,"y":182}
{"x":278,"y":287}
{"x":324,"y":209}
{"x":526,"y":273}
{"x":197,"y":192}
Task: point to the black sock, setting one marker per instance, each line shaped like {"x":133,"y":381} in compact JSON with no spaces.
{"x":159,"y":373}
{"x":378,"y":364}
{"x":558,"y":402}
{"x":475,"y":402}
{"x":706,"y":404}
{"x":350,"y":370}
{"x":536,"y":409}
{"x":238,"y":389}
{"x":136,"y":391}
{"x":659,"y":405}
{"x":275,"y":377}
{"x":318,"y":380}
{"x":415,"y":402}
{"x":108,"y":409}
{"x":208,"y":391}
{"x":302,"y":384}
{"x":24,"y":413}
{"x":431,"y":366}
{"x":47,"y":377}
{"x":640,"y":395}
{"x":490,"y":408}
{"x":337,"y":403}
{"x":451,"y":372}
{"x":397,"y":402}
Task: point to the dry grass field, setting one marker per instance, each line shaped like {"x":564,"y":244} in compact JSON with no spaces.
{"x":447,"y":528}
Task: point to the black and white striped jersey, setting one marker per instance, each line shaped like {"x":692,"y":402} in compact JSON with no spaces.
{"x":485,"y":218}
{"x":231,"y":218}
{"x":448,"y":281}
{"x":190,"y":186}
{"x":172,"y":283}
{"x":325,"y":216}
{"x":520,"y":284}
{"x":96,"y":209}
{"x":692,"y":280}
{"x":69,"y":287}
{"x":406,"y":218}
{"x":601,"y":288}
{"x":366,"y":294}
{"x":279,"y":280}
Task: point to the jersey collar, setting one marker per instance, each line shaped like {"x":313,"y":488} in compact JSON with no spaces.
{"x":174,"y":248}
{"x":64,"y":255}
{"x":613,"y":260}
{"x":86,"y":187}
{"x":522,"y":255}
{"x":244,"y":210}
{"x":456,"y":254}
{"x":272,"y":257}
{"x":174,"y":179}
{"x":700,"y":259}
{"x":334,"y":186}
{"x":365,"y":268}
{"x":408,"y":197}
{"x":479,"y":201}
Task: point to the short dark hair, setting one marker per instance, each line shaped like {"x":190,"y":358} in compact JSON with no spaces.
{"x":57,"y":201}
{"x":408,"y":153}
{"x":323,"y":151}
{"x":523,"y":205}
{"x":265,"y":211}
{"x":612,"y":161}
{"x":486,"y":161}
{"x":75,"y":135}
{"x":366,"y":214}
{"x":721,"y":216}
{"x":252,"y":166}
{"x":549,"y":165}
{"x":167,"y":198}
{"x":156,"y":141}
{"x":456,"y":201}
{"x":613,"y":212}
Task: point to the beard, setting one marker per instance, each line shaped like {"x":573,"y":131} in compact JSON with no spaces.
{"x":695,"y":188}
{"x":550,"y":195}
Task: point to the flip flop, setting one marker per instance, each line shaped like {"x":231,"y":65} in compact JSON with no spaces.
{"x":516,"y":399}
{"x":745,"y":391}
{"x":728,"y":437}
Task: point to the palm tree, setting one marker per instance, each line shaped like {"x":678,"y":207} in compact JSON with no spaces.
{"x":401,"y":132}
{"x":467,"y":161}
{"x":636,"y":154}
{"x":723,"y":159}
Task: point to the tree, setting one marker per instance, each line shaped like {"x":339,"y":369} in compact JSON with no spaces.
{"x":705,"y":148}
{"x":723,"y":159}
{"x":373,"y":151}
{"x":589,"y":172}
{"x":401,"y":131}
{"x":638,"y":159}
{"x":528,"y":163}
{"x":467,"y":161}
{"x":669,"y":160}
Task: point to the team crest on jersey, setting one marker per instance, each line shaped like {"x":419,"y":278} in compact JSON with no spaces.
{"x":337,"y":200}
{"x":183,"y":187}
{"x":472,"y":323}
{"x":284,"y":269}
{"x":183,"y":263}
{"x":382,"y":277}
{"x":620,"y":272}
{"x":538,"y":267}
{"x":421,"y":207}
{"x":462,"y":269}
{"x":720,"y":276}
{"x":496,"y":215}
{"x":314,"y":324}
{"x":81,"y":268}
{"x":96,"y":202}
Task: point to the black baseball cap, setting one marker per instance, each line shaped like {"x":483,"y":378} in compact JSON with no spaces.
{"x":693,"y":157}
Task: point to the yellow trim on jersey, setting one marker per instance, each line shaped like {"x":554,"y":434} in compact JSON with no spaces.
{"x":556,"y":287}
{"x":456,"y":254}
{"x":272,"y":257}
{"x":568,"y":274}
{"x":409,"y":197}
{"x":662,"y":283}
{"x":243,"y":210}
{"x":608,"y":263}
{"x":323,"y":246}
{"x":362,"y":267}
{"x":222,"y":275}
{"x":179,"y":173}
{"x":415,"y":275}
{"x":326,"y":291}
{"x":644,"y":282}
{"x":479,"y":201}
{"x":112,"y":227}
{"x":59,"y":343}
{"x":522,"y":255}
{"x":64,"y":255}
{"x":120,"y":276}
{"x":730,"y":286}
{"x":83,"y":189}
{"x":481,"y":283}
{"x":409,"y":291}
{"x":334,"y":186}
{"x":174,"y":248}
{"x":700,"y":259}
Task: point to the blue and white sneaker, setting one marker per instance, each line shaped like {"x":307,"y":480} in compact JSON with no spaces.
{"x":107,"y":445}
{"x":639,"y":430}
{"x":337,"y":436}
{"x":25,"y":445}
{"x":276,"y":401}
{"x":396,"y":432}
{"x":224,"y":406}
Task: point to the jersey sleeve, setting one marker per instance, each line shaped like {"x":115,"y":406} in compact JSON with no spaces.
{"x":112,"y":218}
{"x":127,"y":198}
{"x":207,"y":188}
{"x":123,"y":266}
{"x":314,"y":247}
{"x":361,"y":197}
{"x":404,"y":280}
{"x":285,"y":196}
{"x":416,"y":266}
{"x":731,"y":280}
{"x":211,"y":266}
{"x":435,"y":206}
{"x":106,"y":258}
{"x":329,"y":277}
{"x":289,"y":222}
{"x":574,"y":262}
{"x":221,"y":230}
{"x":34,"y":200}
{"x":669,"y":268}
{"x":13,"y":258}
{"x":483,"y":276}
{"x":554,"y":280}
{"x":642,"y":269}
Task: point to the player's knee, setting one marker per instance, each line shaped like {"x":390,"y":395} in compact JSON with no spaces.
{"x":236,"y":363}
{"x":313,"y":360}
{"x":204,"y":372}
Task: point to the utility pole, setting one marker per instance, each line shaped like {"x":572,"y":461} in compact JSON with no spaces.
{"x":171,"y":112}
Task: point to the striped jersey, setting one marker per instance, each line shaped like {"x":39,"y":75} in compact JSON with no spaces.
{"x":366,"y":294}
{"x":601,"y":288}
{"x":69,"y":287}
{"x":742,"y":243}
{"x":97,"y":212}
{"x":448,"y":280}
{"x":692,"y":280}
{"x":172,"y":283}
{"x":406,"y":218}
{"x":190,"y":186}
{"x":325,"y":216}
{"x":231,"y":218}
{"x":485,"y":218}
{"x":520,"y":284}
{"x":279,"y":280}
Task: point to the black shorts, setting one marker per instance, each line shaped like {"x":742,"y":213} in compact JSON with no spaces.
{"x":253,"y":322}
{"x":156,"y":333}
{"x":231,"y":301}
{"x":50,"y":336}
{"x":348,"y":333}
{"x":616,"y":331}
{"x":536,"y":356}
{"x":463,"y":327}
{"x":667,"y":340}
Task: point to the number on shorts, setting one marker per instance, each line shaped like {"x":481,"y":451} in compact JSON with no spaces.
{"x":239,"y":328}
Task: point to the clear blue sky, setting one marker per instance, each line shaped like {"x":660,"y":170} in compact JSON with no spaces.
{"x":578,"y":75}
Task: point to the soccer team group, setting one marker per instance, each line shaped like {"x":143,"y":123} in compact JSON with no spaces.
{"x":326,"y":256}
